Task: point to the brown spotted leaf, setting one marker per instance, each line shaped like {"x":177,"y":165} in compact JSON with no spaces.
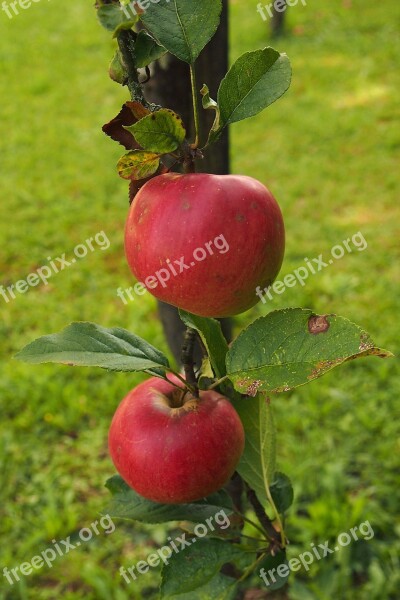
{"x":130,"y":114}
{"x":288,"y":348}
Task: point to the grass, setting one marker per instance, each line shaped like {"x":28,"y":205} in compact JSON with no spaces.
{"x":329,"y":152}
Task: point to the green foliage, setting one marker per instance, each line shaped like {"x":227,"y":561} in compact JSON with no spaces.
{"x":220,"y":586}
{"x":282,"y":492}
{"x":210,"y":104}
{"x":212,"y":337}
{"x":273,"y":563}
{"x":253,"y":82}
{"x":257,"y":465}
{"x":127,"y":504}
{"x":197,"y":565}
{"x":90,"y":345}
{"x":114,"y":19}
{"x":291,"y":347}
{"x":117,"y":70}
{"x":182,"y":26}
{"x":160,"y":132}
{"x":147,"y":50}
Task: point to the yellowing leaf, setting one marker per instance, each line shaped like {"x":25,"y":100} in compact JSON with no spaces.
{"x":138,"y":164}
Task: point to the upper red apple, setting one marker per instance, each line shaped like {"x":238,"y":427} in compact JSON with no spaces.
{"x":205,"y":242}
{"x":172,"y":448}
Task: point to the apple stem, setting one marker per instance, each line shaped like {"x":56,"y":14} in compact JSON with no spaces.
{"x":195,"y":106}
{"x":187,"y":358}
{"x":126,"y":43}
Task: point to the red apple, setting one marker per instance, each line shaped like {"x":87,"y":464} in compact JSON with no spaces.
{"x":205,"y":242}
{"x":171,"y":447}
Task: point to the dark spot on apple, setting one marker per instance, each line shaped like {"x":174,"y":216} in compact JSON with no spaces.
{"x":186,"y":205}
{"x":254,"y":204}
{"x":239,"y":217}
{"x":318,"y":324}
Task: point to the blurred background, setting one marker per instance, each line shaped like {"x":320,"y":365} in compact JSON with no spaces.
{"x":329,"y":151}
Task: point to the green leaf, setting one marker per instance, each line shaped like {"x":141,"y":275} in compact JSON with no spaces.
{"x":212,"y":337}
{"x":160,"y":132}
{"x":128,"y":24}
{"x":253,"y":82}
{"x":89,"y":345}
{"x":291,"y":347}
{"x":195,"y":565}
{"x":276,"y":571}
{"x":257,"y":464}
{"x":147,"y":49}
{"x":210,"y":104}
{"x":127,"y":504}
{"x":206,"y":374}
{"x":116,"y":69}
{"x":113,"y":18}
{"x":206,"y":370}
{"x":138,"y":164}
{"x":183,"y":27}
{"x":219,"y":587}
{"x":110,"y":16}
{"x":282,"y":492}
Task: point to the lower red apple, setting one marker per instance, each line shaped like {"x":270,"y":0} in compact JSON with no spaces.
{"x":171,"y":447}
{"x":205,"y":242}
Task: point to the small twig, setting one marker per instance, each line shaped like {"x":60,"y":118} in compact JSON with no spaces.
{"x":218,"y":382}
{"x":187,"y":358}
{"x":126,"y":42}
{"x":195,"y":107}
{"x":250,"y":522}
{"x":264,"y":519}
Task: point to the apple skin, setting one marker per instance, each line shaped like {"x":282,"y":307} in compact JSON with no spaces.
{"x":172,"y":455}
{"x":174,"y":214}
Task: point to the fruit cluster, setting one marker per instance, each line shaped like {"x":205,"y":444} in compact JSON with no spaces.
{"x":167,"y":444}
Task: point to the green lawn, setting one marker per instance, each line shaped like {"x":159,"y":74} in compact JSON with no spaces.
{"x":329,"y":151}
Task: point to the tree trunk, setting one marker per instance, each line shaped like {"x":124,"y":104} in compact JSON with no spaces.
{"x":278,"y":21}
